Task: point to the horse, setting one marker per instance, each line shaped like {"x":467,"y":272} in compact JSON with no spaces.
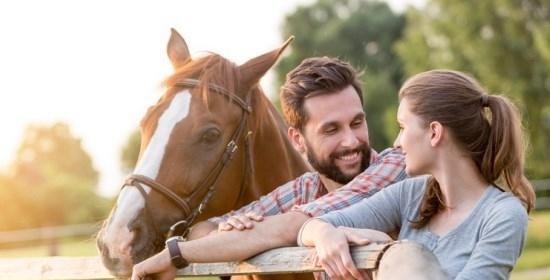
{"x":212,"y":143}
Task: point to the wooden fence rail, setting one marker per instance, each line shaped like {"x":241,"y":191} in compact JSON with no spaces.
{"x":48,"y":233}
{"x":282,"y":260}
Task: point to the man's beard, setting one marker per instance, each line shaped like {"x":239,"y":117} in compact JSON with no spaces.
{"x":329,"y":168}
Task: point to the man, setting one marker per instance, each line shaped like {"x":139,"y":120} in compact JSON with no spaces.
{"x":322,"y":102}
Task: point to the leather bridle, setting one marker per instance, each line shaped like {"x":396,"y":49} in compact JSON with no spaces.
{"x":181,"y":228}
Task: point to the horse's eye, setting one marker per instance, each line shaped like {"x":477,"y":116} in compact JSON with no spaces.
{"x":210,"y":136}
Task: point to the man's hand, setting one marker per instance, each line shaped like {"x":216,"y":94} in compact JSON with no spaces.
{"x":240,"y":222}
{"x":159,"y":266}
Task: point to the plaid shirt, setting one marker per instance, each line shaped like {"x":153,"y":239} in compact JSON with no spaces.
{"x":308,"y":194}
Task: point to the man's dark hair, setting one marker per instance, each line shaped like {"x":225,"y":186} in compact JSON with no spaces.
{"x":315,"y":76}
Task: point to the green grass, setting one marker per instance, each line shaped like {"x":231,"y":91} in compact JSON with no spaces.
{"x":536,"y":253}
{"x":533,"y":258}
{"x":529,"y":277}
{"x":538,"y":234}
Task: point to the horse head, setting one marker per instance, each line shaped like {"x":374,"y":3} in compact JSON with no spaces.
{"x":197,"y":153}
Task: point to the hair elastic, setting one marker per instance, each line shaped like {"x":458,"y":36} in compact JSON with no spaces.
{"x":484,"y":100}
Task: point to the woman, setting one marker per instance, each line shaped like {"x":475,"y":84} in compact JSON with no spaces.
{"x":464,"y":141}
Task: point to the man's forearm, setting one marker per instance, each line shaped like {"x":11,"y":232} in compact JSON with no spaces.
{"x":201,"y":229}
{"x":275,"y":231}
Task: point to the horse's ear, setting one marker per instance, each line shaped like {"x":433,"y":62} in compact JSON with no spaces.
{"x":252,"y":70}
{"x":177,"y":49}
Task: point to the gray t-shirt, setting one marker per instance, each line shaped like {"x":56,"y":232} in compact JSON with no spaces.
{"x":486,"y":245}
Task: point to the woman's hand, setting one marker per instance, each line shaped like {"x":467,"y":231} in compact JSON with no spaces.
{"x":333,"y":253}
{"x":160,"y":266}
{"x":240,"y":222}
{"x":332,"y":246}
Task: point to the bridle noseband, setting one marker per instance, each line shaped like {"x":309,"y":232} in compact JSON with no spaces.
{"x":181,"y":228}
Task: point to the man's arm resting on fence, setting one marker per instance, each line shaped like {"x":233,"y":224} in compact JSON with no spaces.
{"x":275,"y":231}
{"x":202,"y":229}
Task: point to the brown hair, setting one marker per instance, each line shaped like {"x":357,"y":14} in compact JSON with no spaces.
{"x":315,"y":76}
{"x":493,"y":138}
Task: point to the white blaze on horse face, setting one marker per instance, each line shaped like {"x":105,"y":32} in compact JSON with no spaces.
{"x":130,"y":201}
{"x":149,"y":164}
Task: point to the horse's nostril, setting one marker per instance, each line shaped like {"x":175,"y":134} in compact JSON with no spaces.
{"x":109,"y":262}
{"x":137,"y":231}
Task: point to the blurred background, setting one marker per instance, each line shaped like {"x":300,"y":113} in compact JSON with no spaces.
{"x":77,"y":76}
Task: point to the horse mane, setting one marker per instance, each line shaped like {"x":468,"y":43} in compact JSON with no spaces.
{"x":210,"y":69}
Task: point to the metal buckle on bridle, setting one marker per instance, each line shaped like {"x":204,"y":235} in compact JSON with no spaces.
{"x":201,"y":208}
{"x":180,"y":228}
{"x":230,"y":150}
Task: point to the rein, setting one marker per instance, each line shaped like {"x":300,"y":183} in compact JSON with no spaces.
{"x":181,"y":228}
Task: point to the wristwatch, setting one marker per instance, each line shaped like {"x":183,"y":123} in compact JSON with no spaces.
{"x":175,"y":254}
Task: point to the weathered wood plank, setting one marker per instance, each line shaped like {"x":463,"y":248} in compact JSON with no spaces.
{"x":53,"y":268}
{"x":282,"y":260}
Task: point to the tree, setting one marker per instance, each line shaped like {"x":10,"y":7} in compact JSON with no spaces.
{"x":130,"y":152}
{"x":52,"y":149}
{"x":53,"y":180}
{"x":362,"y":33}
{"x":505,"y":44}
{"x":15,"y":204}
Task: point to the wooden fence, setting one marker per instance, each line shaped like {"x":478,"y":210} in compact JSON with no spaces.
{"x":49,"y":236}
{"x":282,"y":260}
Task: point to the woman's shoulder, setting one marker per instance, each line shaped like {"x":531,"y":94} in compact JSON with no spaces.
{"x":506,"y":200}
{"x":504,"y":206}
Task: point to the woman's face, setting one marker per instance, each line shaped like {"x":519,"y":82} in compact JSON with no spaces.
{"x":414,"y":139}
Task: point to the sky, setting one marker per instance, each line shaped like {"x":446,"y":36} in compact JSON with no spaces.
{"x":97,"y":65}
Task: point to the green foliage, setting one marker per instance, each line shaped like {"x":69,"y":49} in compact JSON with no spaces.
{"x":52,"y":149}
{"x":130,"y":152}
{"x":504,"y":43}
{"x":52,"y":182}
{"x":362,"y":33}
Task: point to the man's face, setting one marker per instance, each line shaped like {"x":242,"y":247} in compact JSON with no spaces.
{"x":335,"y":136}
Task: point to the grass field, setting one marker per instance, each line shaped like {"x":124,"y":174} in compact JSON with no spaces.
{"x":536,"y":253}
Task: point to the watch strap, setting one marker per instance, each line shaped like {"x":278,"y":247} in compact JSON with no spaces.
{"x":175,"y":254}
